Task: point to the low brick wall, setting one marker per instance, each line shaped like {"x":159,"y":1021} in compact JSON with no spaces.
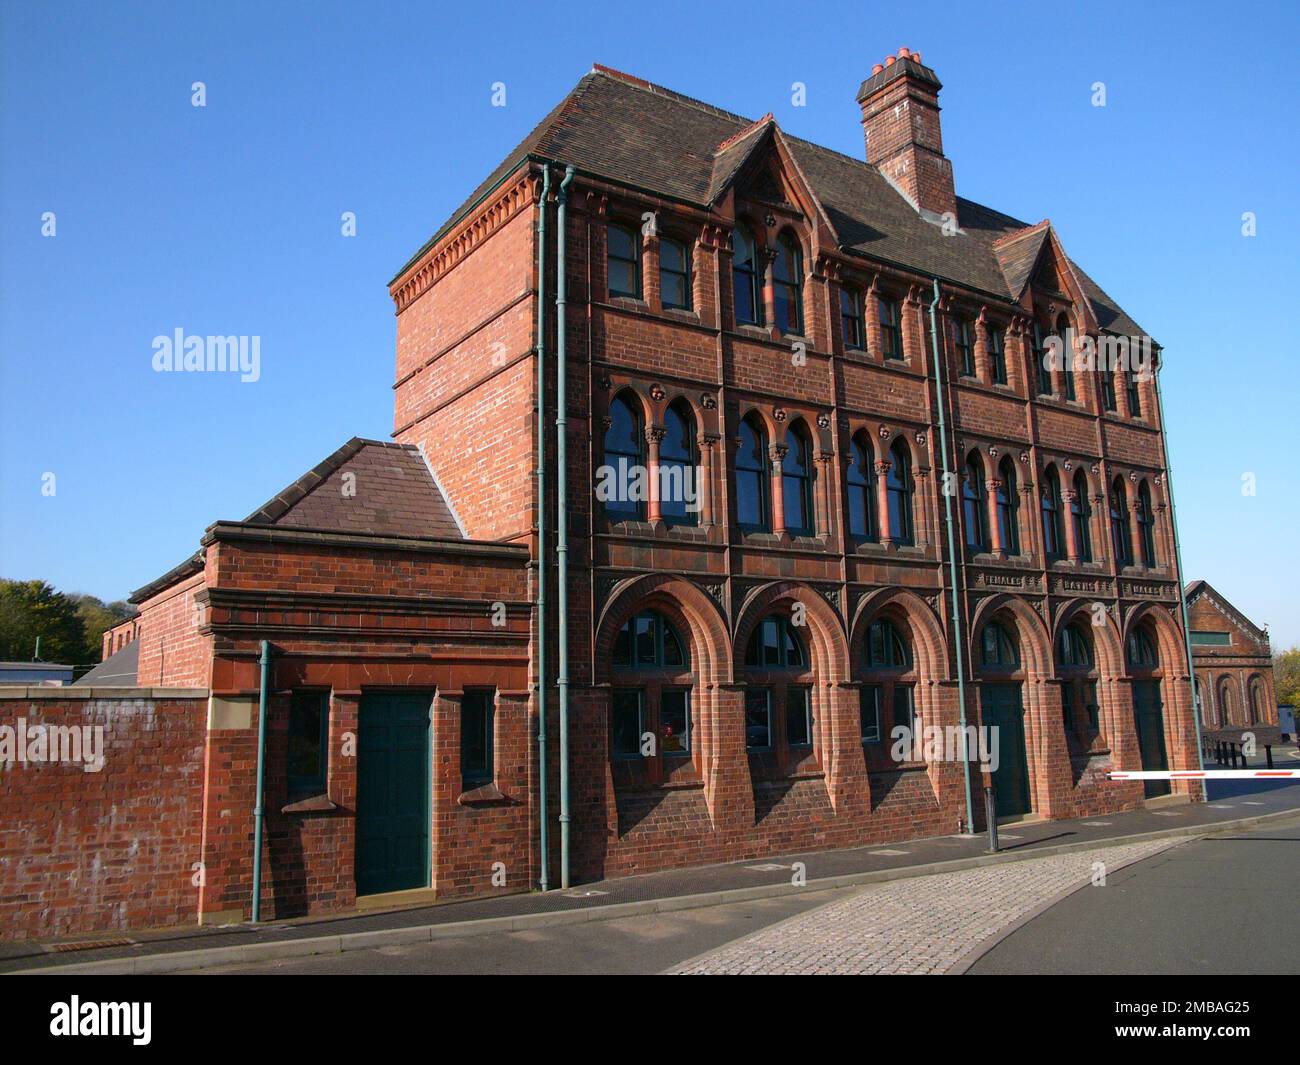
{"x":89,"y":847}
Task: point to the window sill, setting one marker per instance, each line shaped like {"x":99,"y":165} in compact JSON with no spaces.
{"x":315,"y":804}
{"x":483,"y":795}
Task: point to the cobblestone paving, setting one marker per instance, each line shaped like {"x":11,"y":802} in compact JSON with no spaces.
{"x":922,"y":925}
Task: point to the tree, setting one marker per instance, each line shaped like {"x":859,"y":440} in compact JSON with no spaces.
{"x":1286,"y":676}
{"x":98,"y":617}
{"x":29,"y":609}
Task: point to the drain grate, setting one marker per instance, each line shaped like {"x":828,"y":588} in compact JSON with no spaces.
{"x":91,"y":944}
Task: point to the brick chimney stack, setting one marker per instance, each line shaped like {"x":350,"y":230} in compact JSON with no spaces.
{"x":900,"y":120}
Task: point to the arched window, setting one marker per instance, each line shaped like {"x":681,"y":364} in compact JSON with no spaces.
{"x":862,"y":491}
{"x":781,"y":696}
{"x":752,"y":476}
{"x":1146,"y":525}
{"x":998,"y":648}
{"x":1142,"y":650}
{"x":1207,"y":709}
{"x":1225,"y":701}
{"x":787,"y":284}
{"x":1081,"y":515}
{"x":1009,"y":507}
{"x":975,"y":505}
{"x":776,"y":644}
{"x":851,"y":318}
{"x":898,"y":487}
{"x":652,"y":692}
{"x":796,"y":481}
{"x":1121,"y":539}
{"x":886,"y":699}
{"x":1079,"y":706}
{"x":885,"y":647}
{"x":678,"y":490}
{"x":624,"y":460}
{"x":624,"y":255}
{"x":1042,"y":371}
{"x":747,"y":278}
{"x":648,"y":641}
{"x":1066,"y":334}
{"x":1075,"y":647}
{"x":1256,"y":705}
{"x":1053,"y":541}
{"x":674,"y":274}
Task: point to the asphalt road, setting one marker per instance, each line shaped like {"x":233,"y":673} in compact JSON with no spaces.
{"x":1226,"y":904}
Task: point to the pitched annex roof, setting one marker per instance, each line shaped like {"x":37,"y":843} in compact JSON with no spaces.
{"x":630,"y":132}
{"x":366,"y":486}
{"x":118,"y":670}
{"x":1197,"y":588}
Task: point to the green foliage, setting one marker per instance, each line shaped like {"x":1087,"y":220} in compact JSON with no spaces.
{"x":1286,"y":676}
{"x":70,"y":627}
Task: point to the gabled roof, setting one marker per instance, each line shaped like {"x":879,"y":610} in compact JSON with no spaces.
{"x":1018,"y":253}
{"x":630,"y":132}
{"x":366,"y":486}
{"x":1195,"y":589}
{"x":118,"y":670}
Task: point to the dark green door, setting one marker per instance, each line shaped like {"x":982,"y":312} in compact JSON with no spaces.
{"x":1149,"y":716}
{"x":1001,"y":703}
{"x":393,"y":792}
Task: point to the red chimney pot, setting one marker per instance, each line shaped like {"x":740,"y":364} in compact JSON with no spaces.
{"x":889,"y":60}
{"x":877,"y":69}
{"x":903,"y":53}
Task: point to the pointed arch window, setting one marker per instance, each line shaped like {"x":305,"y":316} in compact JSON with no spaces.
{"x":861,"y":491}
{"x":1121,"y":538}
{"x":1075,"y":647}
{"x":660,"y":701}
{"x":1009,"y":507}
{"x":625,"y":460}
{"x":1225,"y":702}
{"x":1081,"y":515}
{"x":1042,"y":371}
{"x":1051,"y":510}
{"x":886,"y":700}
{"x":648,"y":640}
{"x":776,"y":644}
{"x":678,"y":488}
{"x":898,"y":488}
{"x":998,"y":648}
{"x":787,"y":284}
{"x":796,"y":482}
{"x":752,"y":477}
{"x":1142,"y":650}
{"x":975,"y":505}
{"x":624,"y":266}
{"x":747,"y":278}
{"x":1146,"y":525}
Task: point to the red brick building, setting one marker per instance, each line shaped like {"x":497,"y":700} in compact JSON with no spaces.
{"x":1233,"y":663}
{"x":869,"y":489}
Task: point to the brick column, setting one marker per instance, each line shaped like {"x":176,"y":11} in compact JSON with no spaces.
{"x":882,"y":500}
{"x":654,"y":435}
{"x":445,"y":776}
{"x":778,"y":453}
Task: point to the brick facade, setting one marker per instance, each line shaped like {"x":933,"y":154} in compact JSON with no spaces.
{"x":1233,"y":662}
{"x":350,"y":612}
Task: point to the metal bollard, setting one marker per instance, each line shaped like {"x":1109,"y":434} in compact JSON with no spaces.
{"x":991,"y":818}
{"x":1268,"y":754}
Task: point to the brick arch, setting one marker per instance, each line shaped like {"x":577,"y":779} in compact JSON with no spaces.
{"x":638,"y":393}
{"x":1106,"y":644}
{"x":988,"y":464}
{"x":929,"y":646}
{"x":692,"y":405}
{"x":683,"y":603}
{"x":1169,"y":638}
{"x":828,"y":642}
{"x":908,"y":436}
{"x":775,"y":434}
{"x":1033,"y":637}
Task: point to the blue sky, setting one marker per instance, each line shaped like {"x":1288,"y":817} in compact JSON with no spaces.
{"x":226,"y":220}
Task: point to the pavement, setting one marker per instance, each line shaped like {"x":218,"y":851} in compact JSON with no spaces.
{"x":1239,"y":805}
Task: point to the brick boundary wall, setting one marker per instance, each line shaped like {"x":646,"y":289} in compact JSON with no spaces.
{"x":109,"y":850}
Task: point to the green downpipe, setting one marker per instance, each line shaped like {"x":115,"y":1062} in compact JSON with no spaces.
{"x":952,"y":558}
{"x":544,"y":841}
{"x":562,"y":513}
{"x":1178,"y":565}
{"x":261,"y":772}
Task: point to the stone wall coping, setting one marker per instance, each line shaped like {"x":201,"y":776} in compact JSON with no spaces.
{"x":72,"y":693}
